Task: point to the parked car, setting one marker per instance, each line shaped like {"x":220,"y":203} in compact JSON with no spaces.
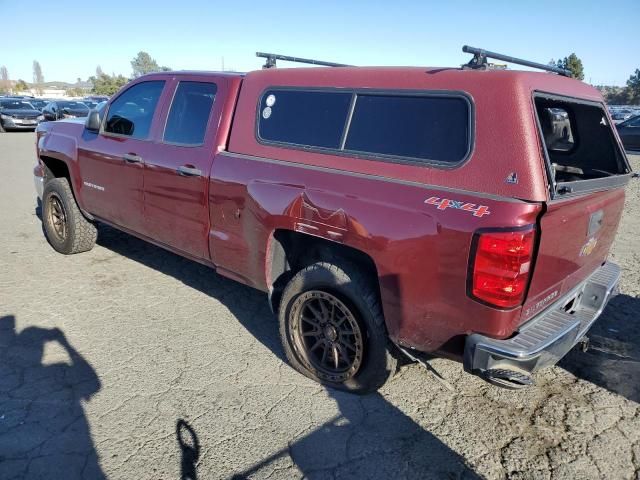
{"x":18,"y":114}
{"x":384,"y":211}
{"x":90,"y":103}
{"x":629,"y":132}
{"x":97,"y":98}
{"x":59,"y":109}
{"x":619,"y":116}
{"x":38,"y":103}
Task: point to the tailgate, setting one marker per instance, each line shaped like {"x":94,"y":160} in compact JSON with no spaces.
{"x":575,"y":237}
{"x":587,"y":171}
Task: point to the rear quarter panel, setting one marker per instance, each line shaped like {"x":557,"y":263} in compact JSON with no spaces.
{"x":421,"y":252}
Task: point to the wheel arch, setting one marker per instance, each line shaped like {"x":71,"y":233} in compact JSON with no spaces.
{"x":289,"y":251}
{"x":56,"y":167}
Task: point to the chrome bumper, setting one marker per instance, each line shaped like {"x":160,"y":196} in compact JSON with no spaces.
{"x":549,"y":336}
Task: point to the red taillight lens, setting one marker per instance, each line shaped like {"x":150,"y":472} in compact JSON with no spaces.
{"x":501,"y":265}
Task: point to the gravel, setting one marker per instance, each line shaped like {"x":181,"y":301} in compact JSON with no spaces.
{"x":106,"y":356}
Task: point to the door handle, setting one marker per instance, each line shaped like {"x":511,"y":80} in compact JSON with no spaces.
{"x":187,"y":171}
{"x":132,"y":158}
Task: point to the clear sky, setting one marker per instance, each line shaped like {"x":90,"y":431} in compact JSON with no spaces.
{"x":70,"y":38}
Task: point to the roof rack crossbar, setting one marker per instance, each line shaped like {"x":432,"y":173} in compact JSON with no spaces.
{"x":272,"y":57}
{"x":480,"y":56}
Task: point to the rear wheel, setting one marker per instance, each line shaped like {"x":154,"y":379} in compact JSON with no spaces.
{"x":332,"y":329}
{"x":65,"y":227}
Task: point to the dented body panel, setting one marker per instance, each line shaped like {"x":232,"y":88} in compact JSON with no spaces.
{"x":420,"y":251}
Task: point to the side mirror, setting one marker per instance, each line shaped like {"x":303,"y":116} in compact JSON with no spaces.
{"x":93,"y":121}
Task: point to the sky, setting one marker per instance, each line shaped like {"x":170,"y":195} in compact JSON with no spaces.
{"x":71,"y":38}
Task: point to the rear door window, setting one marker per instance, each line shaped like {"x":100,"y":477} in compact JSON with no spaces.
{"x":189,"y":114}
{"x":132,"y":112}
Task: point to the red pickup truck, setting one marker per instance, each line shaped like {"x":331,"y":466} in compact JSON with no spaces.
{"x":466,"y":212}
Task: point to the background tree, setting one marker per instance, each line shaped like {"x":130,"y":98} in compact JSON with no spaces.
{"x":143,"y":64}
{"x":21,"y":86}
{"x":107,"y":84}
{"x":5,"y":84}
{"x":75,"y":92}
{"x":628,"y":95}
{"x":38,"y":77}
{"x":615,"y":95}
{"x":573,"y":64}
{"x":633,"y":87}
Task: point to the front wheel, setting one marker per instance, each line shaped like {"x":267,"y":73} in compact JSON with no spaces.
{"x":65,"y":227}
{"x":332,"y":328}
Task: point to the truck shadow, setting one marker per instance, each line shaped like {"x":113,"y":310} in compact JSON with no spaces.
{"x":368,"y":437}
{"x":613,"y":358}
{"x":43,"y":429}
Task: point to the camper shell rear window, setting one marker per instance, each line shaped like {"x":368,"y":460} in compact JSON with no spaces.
{"x":578,"y":141}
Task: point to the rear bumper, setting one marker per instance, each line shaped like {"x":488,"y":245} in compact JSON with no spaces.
{"x":20,"y":127}
{"x":549,"y":336}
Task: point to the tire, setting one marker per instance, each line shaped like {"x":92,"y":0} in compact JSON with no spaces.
{"x":2,"y":130}
{"x":65,"y":227}
{"x":350,"y":304}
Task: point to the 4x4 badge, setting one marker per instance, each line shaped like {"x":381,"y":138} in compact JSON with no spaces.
{"x":444,"y":203}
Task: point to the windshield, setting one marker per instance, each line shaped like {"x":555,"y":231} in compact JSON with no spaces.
{"x":38,"y":103}
{"x":73,"y":105}
{"x":15,"y":105}
{"x":632,"y":122}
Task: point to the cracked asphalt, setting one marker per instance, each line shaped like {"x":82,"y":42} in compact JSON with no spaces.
{"x":130,"y":362}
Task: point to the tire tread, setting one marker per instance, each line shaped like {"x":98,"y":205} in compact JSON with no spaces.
{"x":83,"y":233}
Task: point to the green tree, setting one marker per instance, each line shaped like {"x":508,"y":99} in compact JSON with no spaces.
{"x":21,"y":86}
{"x":633,"y":87}
{"x":107,"y":84}
{"x":143,"y":63}
{"x":615,"y":95}
{"x":573,"y":64}
{"x":75,"y":92}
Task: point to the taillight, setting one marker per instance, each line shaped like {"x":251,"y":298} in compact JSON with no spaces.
{"x":500,"y":266}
